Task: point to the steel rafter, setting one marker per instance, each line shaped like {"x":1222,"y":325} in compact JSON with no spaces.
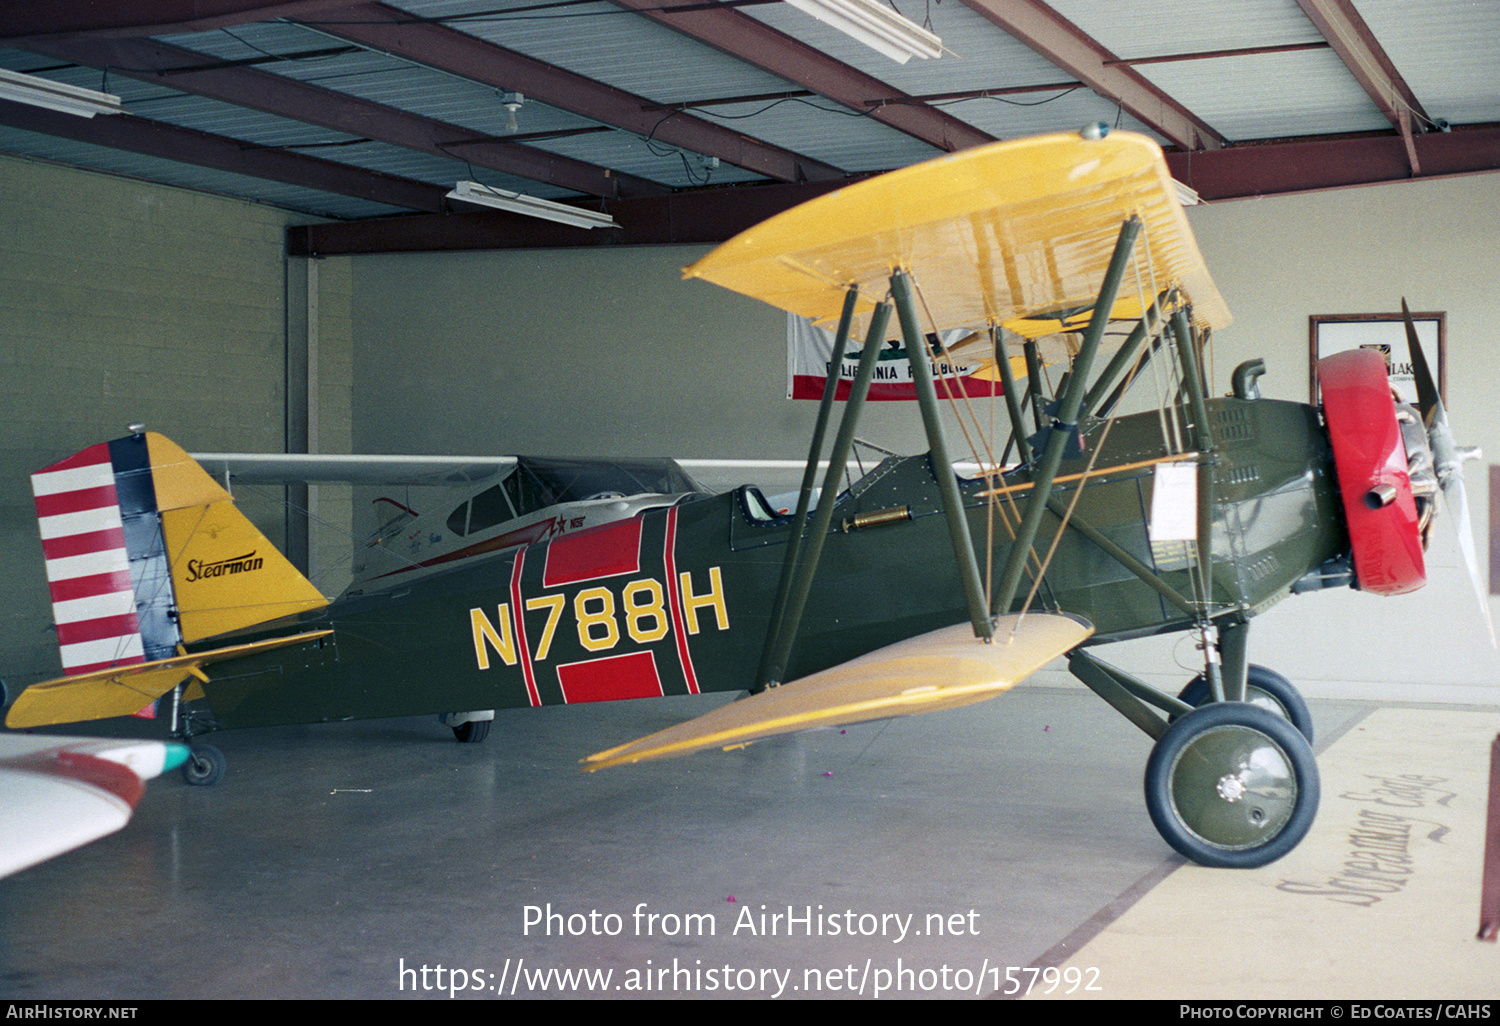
{"x":1064,"y":44}
{"x":713,"y":215}
{"x":1352,"y":40}
{"x":388,"y":30}
{"x":189,"y":146}
{"x":1302,"y":165}
{"x":758,"y":44}
{"x":1366,"y":59}
{"x":168,"y":66}
{"x":127,"y":18}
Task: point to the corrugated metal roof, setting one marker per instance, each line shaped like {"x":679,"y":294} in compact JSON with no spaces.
{"x":629,"y":101}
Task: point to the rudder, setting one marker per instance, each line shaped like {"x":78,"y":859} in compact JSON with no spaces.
{"x":145,"y":551}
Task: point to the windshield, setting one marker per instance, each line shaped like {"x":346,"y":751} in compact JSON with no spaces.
{"x":541,"y":482}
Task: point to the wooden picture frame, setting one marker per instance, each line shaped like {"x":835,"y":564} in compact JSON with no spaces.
{"x":1385,"y":332}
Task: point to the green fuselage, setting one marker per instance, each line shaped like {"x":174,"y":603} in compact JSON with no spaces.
{"x":678,"y":600}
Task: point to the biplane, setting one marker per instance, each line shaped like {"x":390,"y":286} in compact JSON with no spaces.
{"x":1126,"y":502}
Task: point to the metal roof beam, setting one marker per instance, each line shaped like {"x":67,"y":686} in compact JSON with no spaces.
{"x":189,"y":146}
{"x":388,"y":30}
{"x":758,"y":44}
{"x":171,"y":67}
{"x":128,"y":18}
{"x":1366,"y":59}
{"x":1304,"y":165}
{"x":705,"y":216}
{"x":696,"y":217}
{"x":1064,"y":44}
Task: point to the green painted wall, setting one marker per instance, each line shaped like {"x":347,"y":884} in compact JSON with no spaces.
{"x":123,"y":302}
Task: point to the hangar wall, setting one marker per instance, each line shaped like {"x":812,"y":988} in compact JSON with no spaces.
{"x":123,"y":302}
{"x":608,"y":352}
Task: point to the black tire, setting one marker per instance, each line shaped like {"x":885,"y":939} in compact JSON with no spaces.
{"x":1231,"y":785}
{"x":1264,"y":688}
{"x":205,"y":766}
{"x":472,"y":732}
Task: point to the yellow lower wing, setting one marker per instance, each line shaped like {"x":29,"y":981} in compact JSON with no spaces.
{"x":941,"y":670}
{"x":124,"y":690}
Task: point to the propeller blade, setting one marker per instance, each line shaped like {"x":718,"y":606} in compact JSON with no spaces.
{"x":1448,"y":464}
{"x":1427,"y":393}
{"x":1456,"y":498}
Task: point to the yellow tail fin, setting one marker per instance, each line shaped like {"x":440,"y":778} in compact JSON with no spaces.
{"x":225,"y":574}
{"x":145,"y":551}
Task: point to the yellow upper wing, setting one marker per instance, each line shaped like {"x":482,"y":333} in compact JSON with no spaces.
{"x":999,"y":234}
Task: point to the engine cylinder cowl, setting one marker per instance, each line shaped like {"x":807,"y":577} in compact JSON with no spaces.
{"x":1370,"y":459}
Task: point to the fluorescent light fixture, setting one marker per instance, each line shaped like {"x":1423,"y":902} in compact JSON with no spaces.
{"x":43,"y":92}
{"x":875,"y":25}
{"x":520,"y":203}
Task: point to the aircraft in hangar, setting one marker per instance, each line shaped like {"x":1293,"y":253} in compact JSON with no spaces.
{"x":915,"y":588}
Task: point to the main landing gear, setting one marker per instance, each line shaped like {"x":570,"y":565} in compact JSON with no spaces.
{"x":1232,"y":785}
{"x":469,"y":728}
{"x":1229,"y":783}
{"x":1265,"y":688}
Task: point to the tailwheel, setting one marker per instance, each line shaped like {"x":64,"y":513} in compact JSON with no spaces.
{"x":205,"y":766}
{"x":472,"y":732}
{"x":1264,"y":688}
{"x":1231,"y":785}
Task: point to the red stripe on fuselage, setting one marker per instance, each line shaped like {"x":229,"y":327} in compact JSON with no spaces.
{"x":632,"y":675}
{"x":669,"y":559}
{"x":605,"y":551}
{"x":518,"y":613}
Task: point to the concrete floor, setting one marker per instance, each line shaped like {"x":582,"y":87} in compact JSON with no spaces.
{"x":354,"y":860}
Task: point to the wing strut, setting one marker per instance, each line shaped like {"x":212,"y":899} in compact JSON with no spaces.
{"x":767,"y":674}
{"x":1012,"y":401}
{"x":1125,"y":356}
{"x":797,"y":572}
{"x":1067,"y":418}
{"x":942,"y":466}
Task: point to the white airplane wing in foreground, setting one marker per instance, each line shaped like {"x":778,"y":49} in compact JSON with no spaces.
{"x":57,"y":793}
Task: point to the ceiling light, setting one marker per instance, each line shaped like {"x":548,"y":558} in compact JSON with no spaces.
{"x":43,"y":92}
{"x":520,"y":203}
{"x":511,"y":102}
{"x":875,"y":25}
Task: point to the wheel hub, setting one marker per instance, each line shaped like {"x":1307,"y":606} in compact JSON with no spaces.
{"x":1231,"y":788}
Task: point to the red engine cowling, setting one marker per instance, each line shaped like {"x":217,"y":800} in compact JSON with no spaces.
{"x":1370,"y":457}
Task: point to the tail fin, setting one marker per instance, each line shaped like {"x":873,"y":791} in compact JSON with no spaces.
{"x":145,"y":551}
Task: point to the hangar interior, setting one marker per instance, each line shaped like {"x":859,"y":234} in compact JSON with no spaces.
{"x":332,"y":859}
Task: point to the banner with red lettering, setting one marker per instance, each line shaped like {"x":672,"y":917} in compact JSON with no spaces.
{"x":809,"y":349}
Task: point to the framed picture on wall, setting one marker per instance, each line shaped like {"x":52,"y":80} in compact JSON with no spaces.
{"x":1386,"y":334}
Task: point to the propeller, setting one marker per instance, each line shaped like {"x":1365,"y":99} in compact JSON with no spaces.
{"x":1448,"y":458}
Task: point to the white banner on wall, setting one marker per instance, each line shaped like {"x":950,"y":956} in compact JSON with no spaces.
{"x":810,"y":348}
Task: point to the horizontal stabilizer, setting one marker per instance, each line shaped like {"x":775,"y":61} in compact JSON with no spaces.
{"x":941,"y":670}
{"x":122,"y":690}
